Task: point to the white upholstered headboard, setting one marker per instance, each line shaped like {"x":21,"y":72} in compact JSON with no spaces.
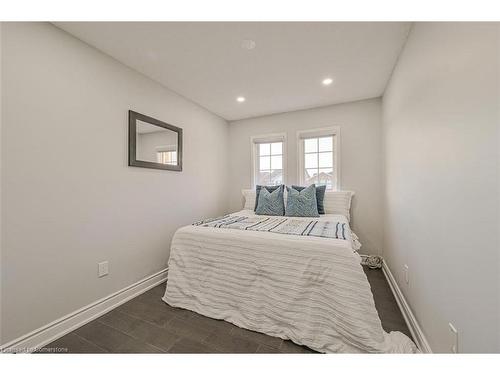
{"x":338,"y":202}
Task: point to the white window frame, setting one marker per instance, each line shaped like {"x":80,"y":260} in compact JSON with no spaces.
{"x":173,"y":157}
{"x":317,"y":133}
{"x":167,"y":148}
{"x":268,"y":138}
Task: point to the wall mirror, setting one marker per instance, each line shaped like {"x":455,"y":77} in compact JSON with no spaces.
{"x":153,"y":143}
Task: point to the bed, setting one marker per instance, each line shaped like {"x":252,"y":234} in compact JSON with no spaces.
{"x":311,"y":290}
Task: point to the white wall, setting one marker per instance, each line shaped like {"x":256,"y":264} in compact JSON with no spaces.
{"x":440,"y":136}
{"x":69,"y":198}
{"x":1,"y":163}
{"x":360,"y":124}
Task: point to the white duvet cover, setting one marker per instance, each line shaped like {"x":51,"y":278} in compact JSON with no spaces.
{"x":310,"y":290}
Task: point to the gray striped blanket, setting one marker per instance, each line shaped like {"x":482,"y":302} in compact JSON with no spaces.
{"x":280,"y":224}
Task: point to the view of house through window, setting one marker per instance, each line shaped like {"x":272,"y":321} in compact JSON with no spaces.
{"x":270,"y":163}
{"x":318,"y":161}
{"x":167,"y":157}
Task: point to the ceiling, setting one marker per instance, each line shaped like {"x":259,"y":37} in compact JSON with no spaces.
{"x":208,"y":63}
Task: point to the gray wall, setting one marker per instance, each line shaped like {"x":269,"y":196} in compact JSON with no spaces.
{"x":69,"y":198}
{"x":361,"y":169}
{"x":440,"y":134}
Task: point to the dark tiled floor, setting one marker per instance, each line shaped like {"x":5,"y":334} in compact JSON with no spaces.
{"x":148,"y":325}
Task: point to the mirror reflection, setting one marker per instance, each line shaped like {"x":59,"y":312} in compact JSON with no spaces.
{"x":156,"y":144}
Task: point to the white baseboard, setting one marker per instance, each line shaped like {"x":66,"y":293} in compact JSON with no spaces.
{"x":411,"y":321}
{"x":60,"y":327}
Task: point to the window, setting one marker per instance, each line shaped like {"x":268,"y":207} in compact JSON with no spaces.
{"x":269,"y":160}
{"x":318,"y":158}
{"x":166,"y":157}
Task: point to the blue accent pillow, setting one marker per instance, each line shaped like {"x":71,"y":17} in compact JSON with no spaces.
{"x":270,"y":189}
{"x":271,"y":203}
{"x":302,"y":203}
{"x":320,"y":196}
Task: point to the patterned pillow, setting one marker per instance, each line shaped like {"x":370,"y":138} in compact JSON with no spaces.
{"x":271,"y":203}
{"x":320,"y":196}
{"x":270,"y":189}
{"x":302,"y":203}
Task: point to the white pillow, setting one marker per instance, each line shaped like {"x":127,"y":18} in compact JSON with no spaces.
{"x":249,"y":195}
{"x":338,"y":203}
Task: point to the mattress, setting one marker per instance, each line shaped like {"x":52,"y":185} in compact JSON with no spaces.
{"x":310,"y":290}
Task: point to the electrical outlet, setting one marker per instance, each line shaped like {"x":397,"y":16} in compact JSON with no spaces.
{"x":453,"y":338}
{"x":102,"y":269}
{"x":407,"y":276}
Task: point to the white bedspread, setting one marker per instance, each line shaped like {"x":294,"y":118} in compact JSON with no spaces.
{"x":310,"y":290}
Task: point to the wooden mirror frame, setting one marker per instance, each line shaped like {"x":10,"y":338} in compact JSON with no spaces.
{"x":132,"y":142}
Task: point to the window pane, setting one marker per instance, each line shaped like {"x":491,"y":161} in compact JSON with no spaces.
{"x":326,"y":160}
{"x":166,"y":157}
{"x":276,"y":162}
{"x":311,"y":145}
{"x":326,"y":177}
{"x":263,"y":178}
{"x":311,"y":160}
{"x":265,"y":163}
{"x":277,"y":177}
{"x":277,"y":148}
{"x":264,"y":149}
{"x":328,"y":184}
{"x":310,"y":176}
{"x":326,"y":144}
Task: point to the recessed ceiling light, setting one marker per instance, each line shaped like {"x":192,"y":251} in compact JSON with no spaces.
{"x":327,"y":81}
{"x":240,"y":99}
{"x":248,"y":44}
